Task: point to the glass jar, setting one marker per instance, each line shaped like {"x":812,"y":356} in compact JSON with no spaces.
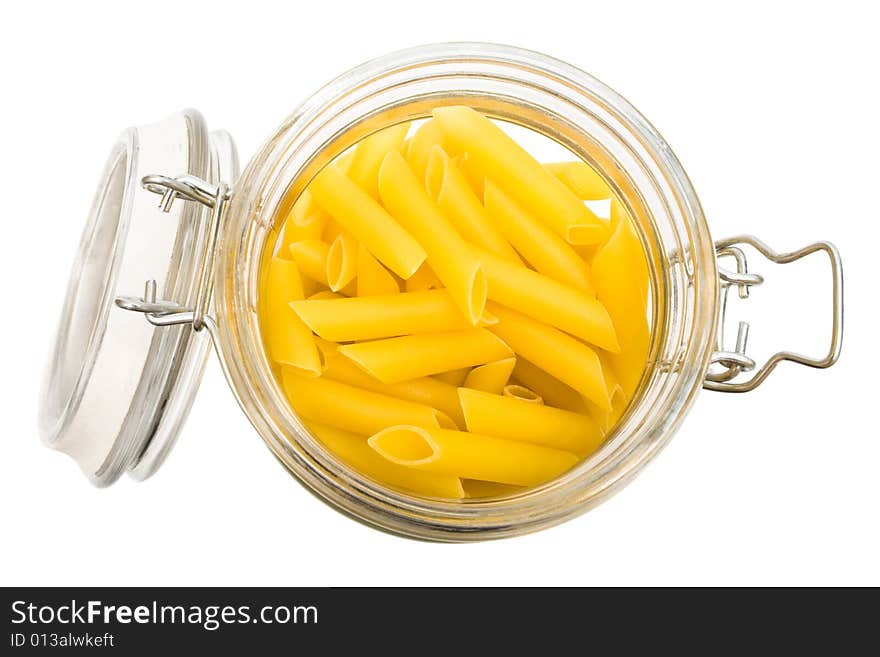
{"x":115,"y":407}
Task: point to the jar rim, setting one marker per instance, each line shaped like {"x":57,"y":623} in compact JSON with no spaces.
{"x":293,"y":150}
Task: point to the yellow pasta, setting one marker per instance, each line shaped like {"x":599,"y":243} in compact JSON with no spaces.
{"x":305,"y":210}
{"x":352,"y":409}
{"x":422,"y":142}
{"x":471,"y":455}
{"x":288,"y":341}
{"x":552,"y":391}
{"x":549,"y":301}
{"x":558,"y":354}
{"x":454,"y":377}
{"x":519,"y":174}
{"x":342,"y":261}
{"x":455,"y":198}
{"x":505,"y":417}
{"x":369,"y":318}
{"x":474,"y":488}
{"x":324,"y":294}
{"x":476,"y":178}
{"x":367,"y":221}
{"x":620,"y":271}
{"x":539,"y":245}
{"x":491,"y":377}
{"x":311,"y":258}
{"x":310,"y":229}
{"x":411,"y":356}
{"x":423,"y":279}
{"x":516,"y":391}
{"x":423,"y":390}
{"x":582,"y":179}
{"x":448,"y":255}
{"x":372,"y":277}
{"x":354,"y":450}
{"x":368,"y":155}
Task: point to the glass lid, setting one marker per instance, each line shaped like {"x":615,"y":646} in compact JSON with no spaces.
{"x":117,"y":388}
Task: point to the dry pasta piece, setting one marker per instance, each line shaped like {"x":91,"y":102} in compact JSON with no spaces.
{"x":474,"y":488}
{"x":549,"y":301}
{"x":423,"y":279}
{"x":354,"y":450}
{"x":519,"y":174}
{"x":491,"y":377}
{"x":352,"y":409}
{"x":372,"y":277}
{"x":621,"y":288}
{"x":311,"y":229}
{"x":552,"y":391}
{"x":369,"y":318}
{"x":454,"y":377}
{"x":323,"y":295}
{"x":539,"y":245}
{"x":448,"y":255}
{"x":305,"y":210}
{"x":422,"y":142}
{"x":368,"y":155}
{"x":558,"y":354}
{"x":367,"y":221}
{"x":516,"y":391}
{"x":505,"y":417}
{"x":311,"y":258}
{"x":469,"y":455}
{"x":582,"y":179}
{"x":423,"y":390}
{"x":288,"y":340}
{"x":411,"y":356}
{"x":342,"y":261}
{"x":454,"y":196}
{"x":476,"y":179}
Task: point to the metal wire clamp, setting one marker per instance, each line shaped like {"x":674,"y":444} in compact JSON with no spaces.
{"x":162,"y":312}
{"x":734,"y":363}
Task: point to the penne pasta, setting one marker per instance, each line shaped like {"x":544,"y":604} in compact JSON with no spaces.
{"x":352,"y":409}
{"x":549,"y":301}
{"x":305,"y":210}
{"x":516,"y":391}
{"x":369,"y":318}
{"x":455,"y":198}
{"x":421,"y":144}
{"x":476,"y":179}
{"x":474,"y":488}
{"x":342,"y":261}
{"x":310,"y":229}
{"x":552,"y":391}
{"x":411,"y":356}
{"x":354,"y":450}
{"x":506,"y":417}
{"x":539,"y":245}
{"x":454,"y":377}
{"x":423,"y":279}
{"x":582,"y":179}
{"x":469,"y":455}
{"x":558,"y":354}
{"x":491,"y":377}
{"x":311,"y":258}
{"x":423,"y":390}
{"x":368,"y":155}
{"x":519,"y":174}
{"x":447,"y":254}
{"x":367,"y":221}
{"x":372,"y":277}
{"x":325,"y":294}
{"x":288,"y":341}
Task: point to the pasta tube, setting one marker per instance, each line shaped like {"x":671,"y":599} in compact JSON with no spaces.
{"x":310,"y":229}
{"x":470,"y":455}
{"x":450,"y":190}
{"x":325,"y":294}
{"x":422,"y":142}
{"x":368,"y":154}
{"x":311,"y":258}
{"x":516,"y":391}
{"x":398,"y":359}
{"x":423,"y":390}
{"x":476,"y":179}
{"x":372,"y":278}
{"x":352,"y":409}
{"x":474,"y":488}
{"x":519,"y":174}
{"x":367,"y":221}
{"x":454,"y":377}
{"x":505,"y":417}
{"x":369,"y":318}
{"x":305,"y":210}
{"x":491,"y":377}
{"x":544,"y":249}
{"x":582,"y":179}
{"x":552,"y":391}
{"x":342,"y":261}
{"x":448,"y":255}
{"x":558,"y":354}
{"x":423,"y":279}
{"x":354,"y":450}
{"x":549,"y":301}
{"x":288,"y":340}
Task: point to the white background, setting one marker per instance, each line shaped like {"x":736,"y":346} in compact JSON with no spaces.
{"x":771,"y":107}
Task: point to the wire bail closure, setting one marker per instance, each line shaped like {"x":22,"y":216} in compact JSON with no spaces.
{"x":163,"y":312}
{"x":736,"y":362}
